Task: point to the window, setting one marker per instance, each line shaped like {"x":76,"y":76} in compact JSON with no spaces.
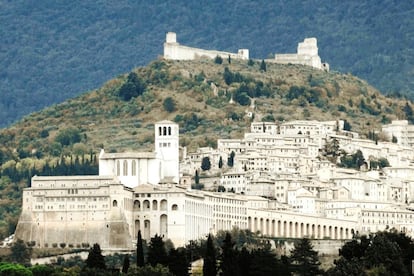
{"x":174,"y":207}
{"x":137,"y":205}
{"x":125,"y":168}
{"x":163,"y":205}
{"x":114,"y":203}
{"x":146,"y":205}
{"x":118,"y":168}
{"x":134,"y":168}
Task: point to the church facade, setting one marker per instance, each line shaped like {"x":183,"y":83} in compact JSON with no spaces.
{"x":111,"y":207}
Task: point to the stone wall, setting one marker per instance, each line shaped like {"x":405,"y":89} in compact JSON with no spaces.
{"x":307,"y":53}
{"x":75,"y":215}
{"x":324,"y":247}
{"x":173,"y":50}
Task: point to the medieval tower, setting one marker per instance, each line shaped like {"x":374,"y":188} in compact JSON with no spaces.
{"x":167,"y":149}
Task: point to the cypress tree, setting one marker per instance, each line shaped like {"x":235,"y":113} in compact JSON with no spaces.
{"x":95,"y":258}
{"x":140,"y":251}
{"x":263,"y":65}
{"x":220,"y":164}
{"x":304,"y":259}
{"x":125,"y":265}
{"x":156,"y":251}
{"x":229,"y":257}
{"x":178,"y":262}
{"x":230,"y":159}
{"x":209,"y":267}
{"x":197,"y":178}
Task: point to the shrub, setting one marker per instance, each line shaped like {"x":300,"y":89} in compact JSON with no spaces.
{"x":68,"y":136}
{"x":218,"y":60}
{"x":44,"y":133}
{"x":169,"y":104}
{"x":197,"y":186}
{"x":268,"y":118}
{"x":133,"y":87}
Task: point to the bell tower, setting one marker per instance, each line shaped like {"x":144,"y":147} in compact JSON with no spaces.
{"x":167,"y":148}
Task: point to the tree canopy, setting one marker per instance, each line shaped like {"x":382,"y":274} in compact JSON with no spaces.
{"x":95,"y":258}
{"x":210,"y":261}
{"x":304,"y":260}
{"x":133,"y":87}
{"x":387,"y":252}
{"x":205,"y":163}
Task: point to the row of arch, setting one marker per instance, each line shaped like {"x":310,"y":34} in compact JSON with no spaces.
{"x":163,"y":131}
{"x":145,"y":227}
{"x":147,"y":205}
{"x":295,"y":229}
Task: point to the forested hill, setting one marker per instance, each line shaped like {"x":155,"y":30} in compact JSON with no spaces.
{"x":54,"y":50}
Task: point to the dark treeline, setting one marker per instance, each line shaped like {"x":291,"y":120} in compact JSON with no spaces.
{"x":239,"y":252}
{"x":74,"y":166}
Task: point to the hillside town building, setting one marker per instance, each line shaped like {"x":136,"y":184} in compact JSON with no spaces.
{"x":279,"y":186}
{"x":401,"y":131}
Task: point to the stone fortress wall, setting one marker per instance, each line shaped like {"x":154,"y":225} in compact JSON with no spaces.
{"x":173,"y":50}
{"x":307,"y":53}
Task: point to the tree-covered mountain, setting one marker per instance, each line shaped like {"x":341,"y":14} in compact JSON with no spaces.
{"x":54,"y":50}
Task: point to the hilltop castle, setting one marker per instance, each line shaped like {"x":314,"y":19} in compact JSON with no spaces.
{"x":307,"y":53}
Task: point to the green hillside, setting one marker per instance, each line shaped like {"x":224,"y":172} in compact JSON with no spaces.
{"x":51,"y":51}
{"x":197,"y":95}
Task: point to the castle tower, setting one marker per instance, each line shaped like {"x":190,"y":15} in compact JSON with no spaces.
{"x":171,"y":37}
{"x":167,"y":148}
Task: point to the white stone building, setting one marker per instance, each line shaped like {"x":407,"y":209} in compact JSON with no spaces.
{"x":141,"y":191}
{"x":401,"y":130}
{"x":307,"y":54}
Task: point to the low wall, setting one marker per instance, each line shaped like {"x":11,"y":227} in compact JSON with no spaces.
{"x":323,"y":247}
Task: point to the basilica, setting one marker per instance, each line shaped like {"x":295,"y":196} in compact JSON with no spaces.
{"x":143,"y":191}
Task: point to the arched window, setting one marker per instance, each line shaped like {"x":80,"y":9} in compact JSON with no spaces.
{"x":114,"y":203}
{"x":125,"y":167}
{"x":163,"y":206}
{"x":169,"y":130}
{"x":118,"y":168}
{"x":159,"y":131}
{"x":165,"y":131}
{"x":137,"y":205}
{"x":174,"y":207}
{"x":163,"y":225}
{"x":146,"y":205}
{"x":154,"y":205}
{"x":134,"y":168}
